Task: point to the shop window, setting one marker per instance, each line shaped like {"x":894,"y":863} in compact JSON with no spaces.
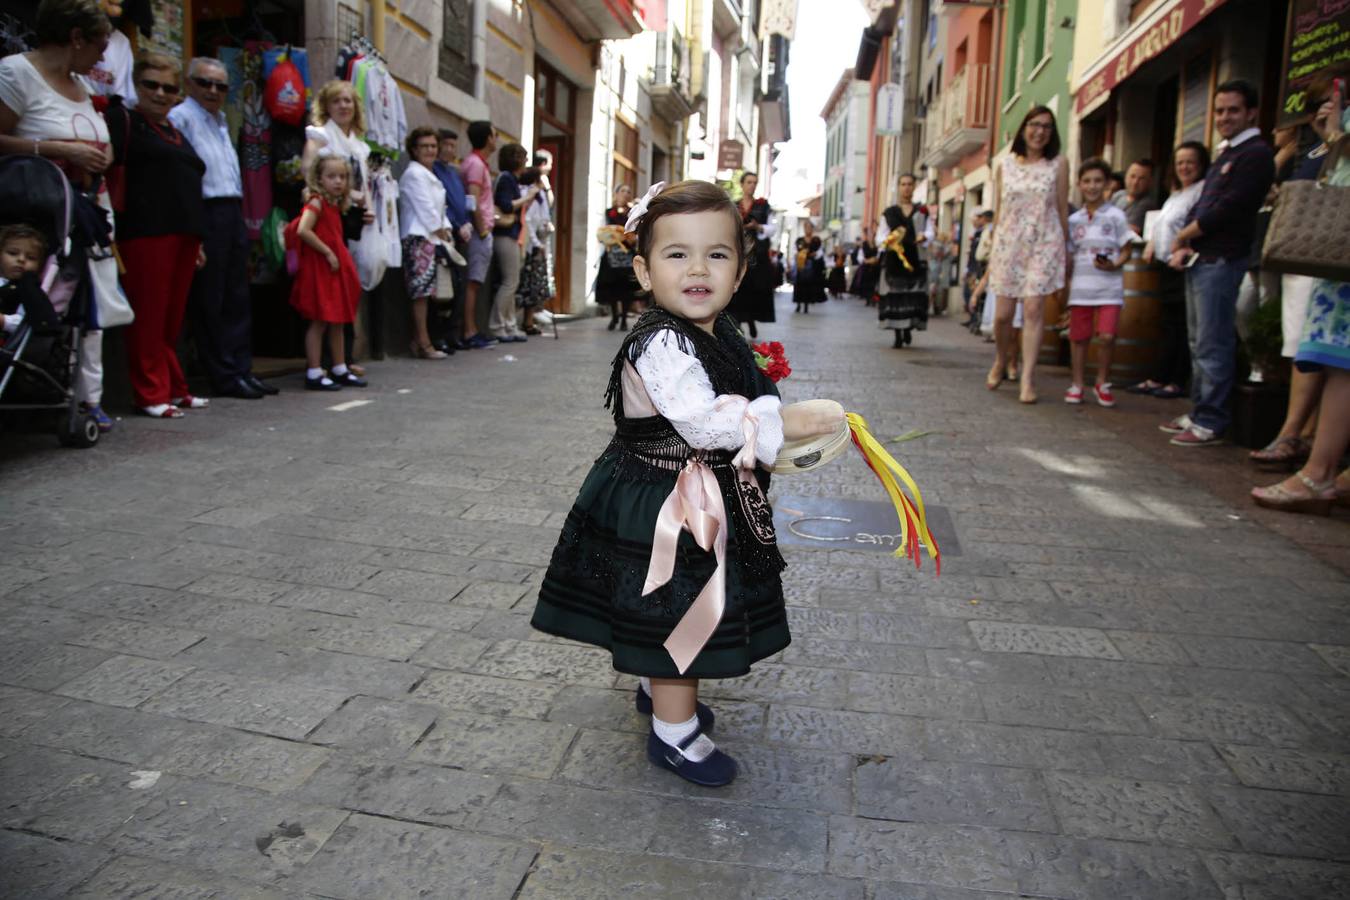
{"x":456,"y":50}
{"x":625,"y":155}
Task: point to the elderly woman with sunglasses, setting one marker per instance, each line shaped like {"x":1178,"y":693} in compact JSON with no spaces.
{"x":45,"y":111}
{"x":159,"y":231}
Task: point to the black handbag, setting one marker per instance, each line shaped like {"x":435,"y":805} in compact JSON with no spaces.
{"x":353,"y":221}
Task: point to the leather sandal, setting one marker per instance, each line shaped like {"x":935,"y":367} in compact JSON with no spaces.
{"x":1285,"y":451}
{"x":1317,"y":502}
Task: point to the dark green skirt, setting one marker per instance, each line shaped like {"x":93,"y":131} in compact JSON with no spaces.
{"x":592,"y":591}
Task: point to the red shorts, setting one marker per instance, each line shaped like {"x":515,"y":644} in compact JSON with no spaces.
{"x":1081,"y":321}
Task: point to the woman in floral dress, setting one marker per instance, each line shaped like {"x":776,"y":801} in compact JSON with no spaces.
{"x":1027,"y":263}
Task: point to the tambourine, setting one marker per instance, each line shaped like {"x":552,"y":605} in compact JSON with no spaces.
{"x":813,"y":452}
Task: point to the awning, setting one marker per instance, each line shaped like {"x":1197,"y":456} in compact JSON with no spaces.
{"x":1144,"y":40}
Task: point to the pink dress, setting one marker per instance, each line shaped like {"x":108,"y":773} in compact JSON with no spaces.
{"x":1027,"y":259}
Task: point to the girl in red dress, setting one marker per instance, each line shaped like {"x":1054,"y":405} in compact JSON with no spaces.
{"x":326,"y":287}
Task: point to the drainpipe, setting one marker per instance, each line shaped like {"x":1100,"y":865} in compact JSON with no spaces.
{"x":996,"y":85}
{"x":377,"y":24}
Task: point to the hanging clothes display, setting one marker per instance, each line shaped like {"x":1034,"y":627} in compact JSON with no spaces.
{"x":379,"y":95}
{"x":255,"y":142}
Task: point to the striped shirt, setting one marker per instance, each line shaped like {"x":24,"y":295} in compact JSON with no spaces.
{"x":210,"y":137}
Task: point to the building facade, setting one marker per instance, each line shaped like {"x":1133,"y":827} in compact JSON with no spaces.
{"x":846,"y":144}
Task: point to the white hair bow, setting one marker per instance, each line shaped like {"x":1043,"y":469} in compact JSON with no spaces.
{"x":639,"y":209}
{"x":320,"y":139}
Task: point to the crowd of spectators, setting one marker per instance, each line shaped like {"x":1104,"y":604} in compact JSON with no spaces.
{"x":155,"y":154}
{"x":1203,"y":245}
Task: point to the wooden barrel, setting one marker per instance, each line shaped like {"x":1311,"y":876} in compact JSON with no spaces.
{"x":1140,"y":322}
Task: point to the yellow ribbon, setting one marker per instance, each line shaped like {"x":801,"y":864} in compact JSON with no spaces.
{"x":895,"y":241}
{"x":914,"y":532}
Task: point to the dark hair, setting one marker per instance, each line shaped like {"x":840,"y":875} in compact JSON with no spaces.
{"x":748,"y":174}
{"x":1145,"y":162}
{"x":1118,"y":177}
{"x":1095,"y":164}
{"x":511,"y":157}
{"x":1250,"y":98}
{"x":691,"y":197}
{"x":542,"y":157}
{"x":910,"y":175}
{"x":801,"y":243}
{"x":23,"y":233}
{"x":527,"y":177}
{"x":1201,"y":153}
{"x":1019,"y":144}
{"x":56,"y":19}
{"x":421,"y":131}
{"x":447,"y":134}
{"x":814,"y":245}
{"x":480,"y":132}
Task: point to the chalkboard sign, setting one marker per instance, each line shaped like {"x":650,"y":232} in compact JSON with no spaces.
{"x":1317,"y":42}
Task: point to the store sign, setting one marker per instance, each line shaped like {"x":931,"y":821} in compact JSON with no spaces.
{"x":730,"y":155}
{"x":890,"y":109}
{"x":778,"y":17}
{"x":1145,"y":42}
{"x":1317,"y":40}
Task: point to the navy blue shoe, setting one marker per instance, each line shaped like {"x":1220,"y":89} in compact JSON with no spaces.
{"x":718,"y":769}
{"x":706,"y":719}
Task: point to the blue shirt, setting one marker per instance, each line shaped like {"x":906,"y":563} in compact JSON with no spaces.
{"x":210,"y":137}
{"x":456,"y":208}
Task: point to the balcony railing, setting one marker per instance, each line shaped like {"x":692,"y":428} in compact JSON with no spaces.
{"x":958,"y":122}
{"x":672,"y":96}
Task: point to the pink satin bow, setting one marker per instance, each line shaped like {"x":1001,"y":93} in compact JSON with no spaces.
{"x":695,"y":505}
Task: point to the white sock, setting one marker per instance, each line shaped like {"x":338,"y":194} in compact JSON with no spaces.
{"x":313,"y":373}
{"x":339,"y":370}
{"x":646,"y":684}
{"x":673,"y":734}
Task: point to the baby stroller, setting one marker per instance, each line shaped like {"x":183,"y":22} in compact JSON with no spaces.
{"x":39,"y":362}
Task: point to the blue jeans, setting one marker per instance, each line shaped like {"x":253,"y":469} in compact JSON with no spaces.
{"x":1211,"y":327}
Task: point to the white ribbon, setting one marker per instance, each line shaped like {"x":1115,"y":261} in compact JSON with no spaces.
{"x":320,"y":138}
{"x":639,"y":209}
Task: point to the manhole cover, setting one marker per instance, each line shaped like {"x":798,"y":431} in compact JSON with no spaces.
{"x":825,"y":523}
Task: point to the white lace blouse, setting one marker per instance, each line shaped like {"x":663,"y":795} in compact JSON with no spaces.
{"x":676,"y":385}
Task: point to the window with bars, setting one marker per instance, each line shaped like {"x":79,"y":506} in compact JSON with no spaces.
{"x":625,"y":155}
{"x":455,"y":60}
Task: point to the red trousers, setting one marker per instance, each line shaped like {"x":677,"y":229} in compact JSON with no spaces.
{"x":158,"y":276}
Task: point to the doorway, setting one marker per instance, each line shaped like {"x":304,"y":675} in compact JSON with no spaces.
{"x":555,"y":113}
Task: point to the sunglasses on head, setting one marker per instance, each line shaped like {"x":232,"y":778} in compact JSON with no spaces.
{"x":153,"y":86}
{"x":207,"y":84}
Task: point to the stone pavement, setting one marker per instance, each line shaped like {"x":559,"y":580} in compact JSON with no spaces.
{"x":280,"y":649}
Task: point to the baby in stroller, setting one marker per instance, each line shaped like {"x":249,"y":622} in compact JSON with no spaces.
{"x":44,"y":299}
{"x":22,"y":250}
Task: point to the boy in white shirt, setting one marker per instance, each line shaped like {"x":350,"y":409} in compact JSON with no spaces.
{"x":1099,"y":245}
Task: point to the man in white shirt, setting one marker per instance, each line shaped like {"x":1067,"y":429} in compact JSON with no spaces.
{"x":220,"y":310}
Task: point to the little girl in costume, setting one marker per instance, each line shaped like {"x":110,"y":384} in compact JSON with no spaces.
{"x":326,"y":289}
{"x":668,"y":558}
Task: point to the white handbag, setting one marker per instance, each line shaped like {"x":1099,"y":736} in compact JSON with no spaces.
{"x":110,"y":307}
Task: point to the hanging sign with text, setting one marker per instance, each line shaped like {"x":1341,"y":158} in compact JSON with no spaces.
{"x":730,"y":155}
{"x":1144,"y":43}
{"x":890,"y":109}
{"x":1317,"y":41}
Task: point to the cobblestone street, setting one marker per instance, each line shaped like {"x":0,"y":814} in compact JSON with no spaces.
{"x":280,"y":649}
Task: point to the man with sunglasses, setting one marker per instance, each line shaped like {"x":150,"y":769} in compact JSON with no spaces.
{"x":219,"y":308}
